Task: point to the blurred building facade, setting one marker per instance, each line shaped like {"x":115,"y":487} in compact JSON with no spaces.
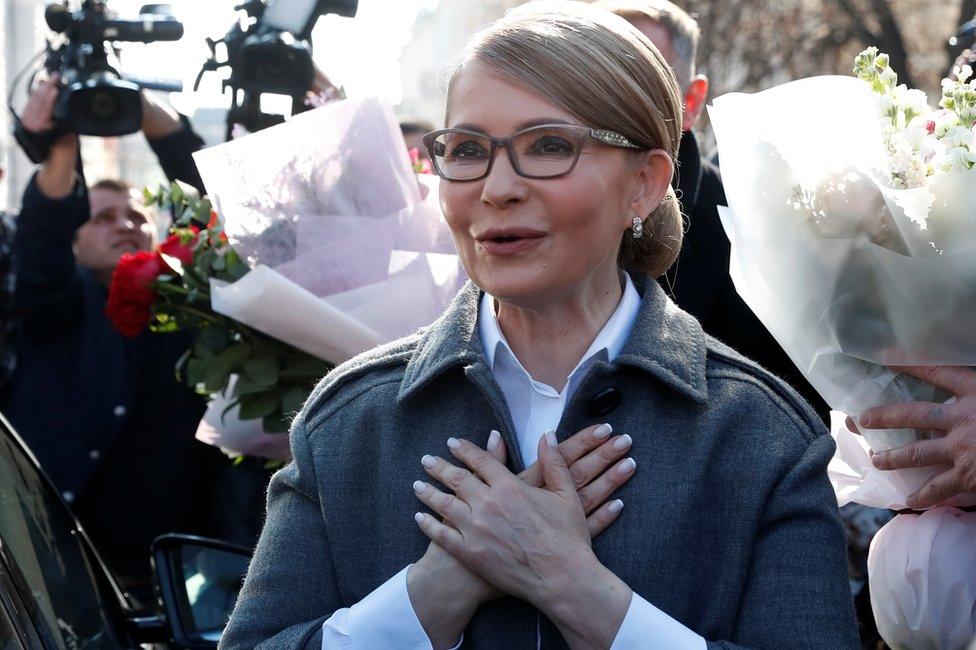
{"x":436,"y":40}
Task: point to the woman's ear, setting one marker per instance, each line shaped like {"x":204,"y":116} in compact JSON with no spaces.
{"x":653,"y":176}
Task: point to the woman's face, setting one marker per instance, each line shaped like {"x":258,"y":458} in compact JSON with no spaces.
{"x":525,"y":240}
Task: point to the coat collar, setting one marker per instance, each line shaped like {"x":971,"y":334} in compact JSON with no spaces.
{"x":666,"y":343}
{"x":688,"y":172}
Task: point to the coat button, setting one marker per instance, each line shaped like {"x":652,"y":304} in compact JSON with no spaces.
{"x":94,"y":454}
{"x":68,"y":496}
{"x":120,"y":411}
{"x":605,"y":401}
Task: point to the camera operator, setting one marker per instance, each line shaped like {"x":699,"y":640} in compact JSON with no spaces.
{"x":105,"y":415}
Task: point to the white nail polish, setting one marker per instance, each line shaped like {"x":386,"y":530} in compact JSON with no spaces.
{"x":418,"y":517}
{"x":623,"y":442}
{"x":551,"y":438}
{"x":627,"y":466}
{"x":453,"y":443}
{"x":419,"y":487}
{"x":493,"y":439}
{"x":602,"y":431}
{"x":428,"y":461}
{"x":615,"y":506}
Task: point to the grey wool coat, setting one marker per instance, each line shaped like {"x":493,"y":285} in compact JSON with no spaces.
{"x":730,"y":526}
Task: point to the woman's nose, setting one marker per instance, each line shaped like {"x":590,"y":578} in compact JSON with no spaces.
{"x":503,"y":186}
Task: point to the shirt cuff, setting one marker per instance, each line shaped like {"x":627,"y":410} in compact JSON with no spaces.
{"x":383,"y":619}
{"x":648,"y":628}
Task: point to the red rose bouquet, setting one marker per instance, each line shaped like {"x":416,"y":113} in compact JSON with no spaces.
{"x":168,"y":289}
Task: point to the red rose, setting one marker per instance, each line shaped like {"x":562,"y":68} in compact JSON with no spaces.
{"x":130,"y":296}
{"x":174,"y":247}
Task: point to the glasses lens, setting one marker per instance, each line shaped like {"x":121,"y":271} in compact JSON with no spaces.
{"x":461,"y":156}
{"x":546,"y":150}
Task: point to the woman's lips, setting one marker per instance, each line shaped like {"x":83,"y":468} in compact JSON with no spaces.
{"x":510,"y":241}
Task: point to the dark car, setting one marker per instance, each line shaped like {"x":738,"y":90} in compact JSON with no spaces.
{"x":55,"y":591}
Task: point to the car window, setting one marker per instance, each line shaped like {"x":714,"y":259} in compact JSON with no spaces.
{"x":39,"y":536}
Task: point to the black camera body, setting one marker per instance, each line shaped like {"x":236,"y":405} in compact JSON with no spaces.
{"x":271,"y":54}
{"x":95,"y":98}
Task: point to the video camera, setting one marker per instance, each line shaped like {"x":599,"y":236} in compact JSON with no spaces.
{"x":95,"y":98}
{"x":270,"y":53}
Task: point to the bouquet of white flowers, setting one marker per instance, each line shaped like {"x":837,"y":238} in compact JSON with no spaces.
{"x":852,"y":219}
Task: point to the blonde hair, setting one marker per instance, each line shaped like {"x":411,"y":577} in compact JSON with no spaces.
{"x":682,"y":28}
{"x":600,"y":69}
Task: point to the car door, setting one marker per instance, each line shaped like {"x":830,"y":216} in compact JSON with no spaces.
{"x":54,"y":579}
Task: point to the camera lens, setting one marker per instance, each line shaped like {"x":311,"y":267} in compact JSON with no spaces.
{"x":103,"y":105}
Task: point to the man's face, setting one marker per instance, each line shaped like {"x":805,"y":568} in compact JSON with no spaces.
{"x":118,"y":224}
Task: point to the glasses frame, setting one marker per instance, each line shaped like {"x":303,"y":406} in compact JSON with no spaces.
{"x":583,"y":134}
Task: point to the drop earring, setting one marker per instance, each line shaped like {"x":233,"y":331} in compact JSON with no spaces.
{"x":637,"y":228}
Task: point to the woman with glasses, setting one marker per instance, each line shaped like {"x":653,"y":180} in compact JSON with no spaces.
{"x":691,"y":510}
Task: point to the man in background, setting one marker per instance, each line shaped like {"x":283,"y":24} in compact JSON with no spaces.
{"x":699,"y":281}
{"x":104,"y":415}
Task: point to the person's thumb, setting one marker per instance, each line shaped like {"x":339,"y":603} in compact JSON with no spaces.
{"x":496,"y":447}
{"x":554,"y":469}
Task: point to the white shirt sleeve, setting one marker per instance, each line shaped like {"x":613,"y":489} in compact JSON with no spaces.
{"x":383,"y":619}
{"x":648,"y":628}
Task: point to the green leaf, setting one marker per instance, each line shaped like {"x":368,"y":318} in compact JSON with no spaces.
{"x":176,"y":196}
{"x":259,"y":405}
{"x":262,"y":368}
{"x":196,"y":370}
{"x":273,"y":463}
{"x":217,"y":339}
{"x":275,"y":423}
{"x":238,"y":460}
{"x":247,"y":386}
{"x":294,"y":398}
{"x":148,"y":197}
{"x":308,"y":367}
{"x":220,"y":369}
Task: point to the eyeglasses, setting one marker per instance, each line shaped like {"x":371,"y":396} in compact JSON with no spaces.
{"x":545,"y":151}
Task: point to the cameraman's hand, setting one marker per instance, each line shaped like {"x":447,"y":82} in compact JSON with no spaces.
{"x":56,"y":178}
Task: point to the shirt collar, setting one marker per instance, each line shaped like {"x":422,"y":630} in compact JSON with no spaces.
{"x":608,"y":342}
{"x":665,"y":343}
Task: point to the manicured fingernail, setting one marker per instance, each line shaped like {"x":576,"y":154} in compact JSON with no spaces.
{"x":419,"y":487}
{"x":627,"y":466}
{"x":623,"y":442}
{"x":864,"y":419}
{"x":428,"y":461}
{"x":493,"y":439}
{"x":453,"y":443}
{"x":615,"y":506}
{"x":551,"y":438}
{"x":418,"y":517}
{"x":878,"y":459}
{"x":602,"y":431}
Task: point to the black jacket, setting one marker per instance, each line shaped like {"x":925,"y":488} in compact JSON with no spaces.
{"x":699,"y":282}
{"x":105,"y":415}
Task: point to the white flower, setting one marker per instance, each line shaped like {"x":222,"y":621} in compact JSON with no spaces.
{"x":915,"y":101}
{"x":889,"y":78}
{"x":944,"y":120}
{"x":962,"y":73}
{"x":958,"y":159}
{"x":960,"y":136}
{"x":886,"y":106}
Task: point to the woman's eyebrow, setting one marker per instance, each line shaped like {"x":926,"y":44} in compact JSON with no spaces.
{"x":469,"y":126}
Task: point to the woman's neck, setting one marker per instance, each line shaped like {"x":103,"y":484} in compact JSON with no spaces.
{"x":550,"y":338}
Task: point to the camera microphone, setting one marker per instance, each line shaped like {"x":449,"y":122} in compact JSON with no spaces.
{"x":147,"y":28}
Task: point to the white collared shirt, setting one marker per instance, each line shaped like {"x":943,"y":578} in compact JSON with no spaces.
{"x":386,"y":619}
